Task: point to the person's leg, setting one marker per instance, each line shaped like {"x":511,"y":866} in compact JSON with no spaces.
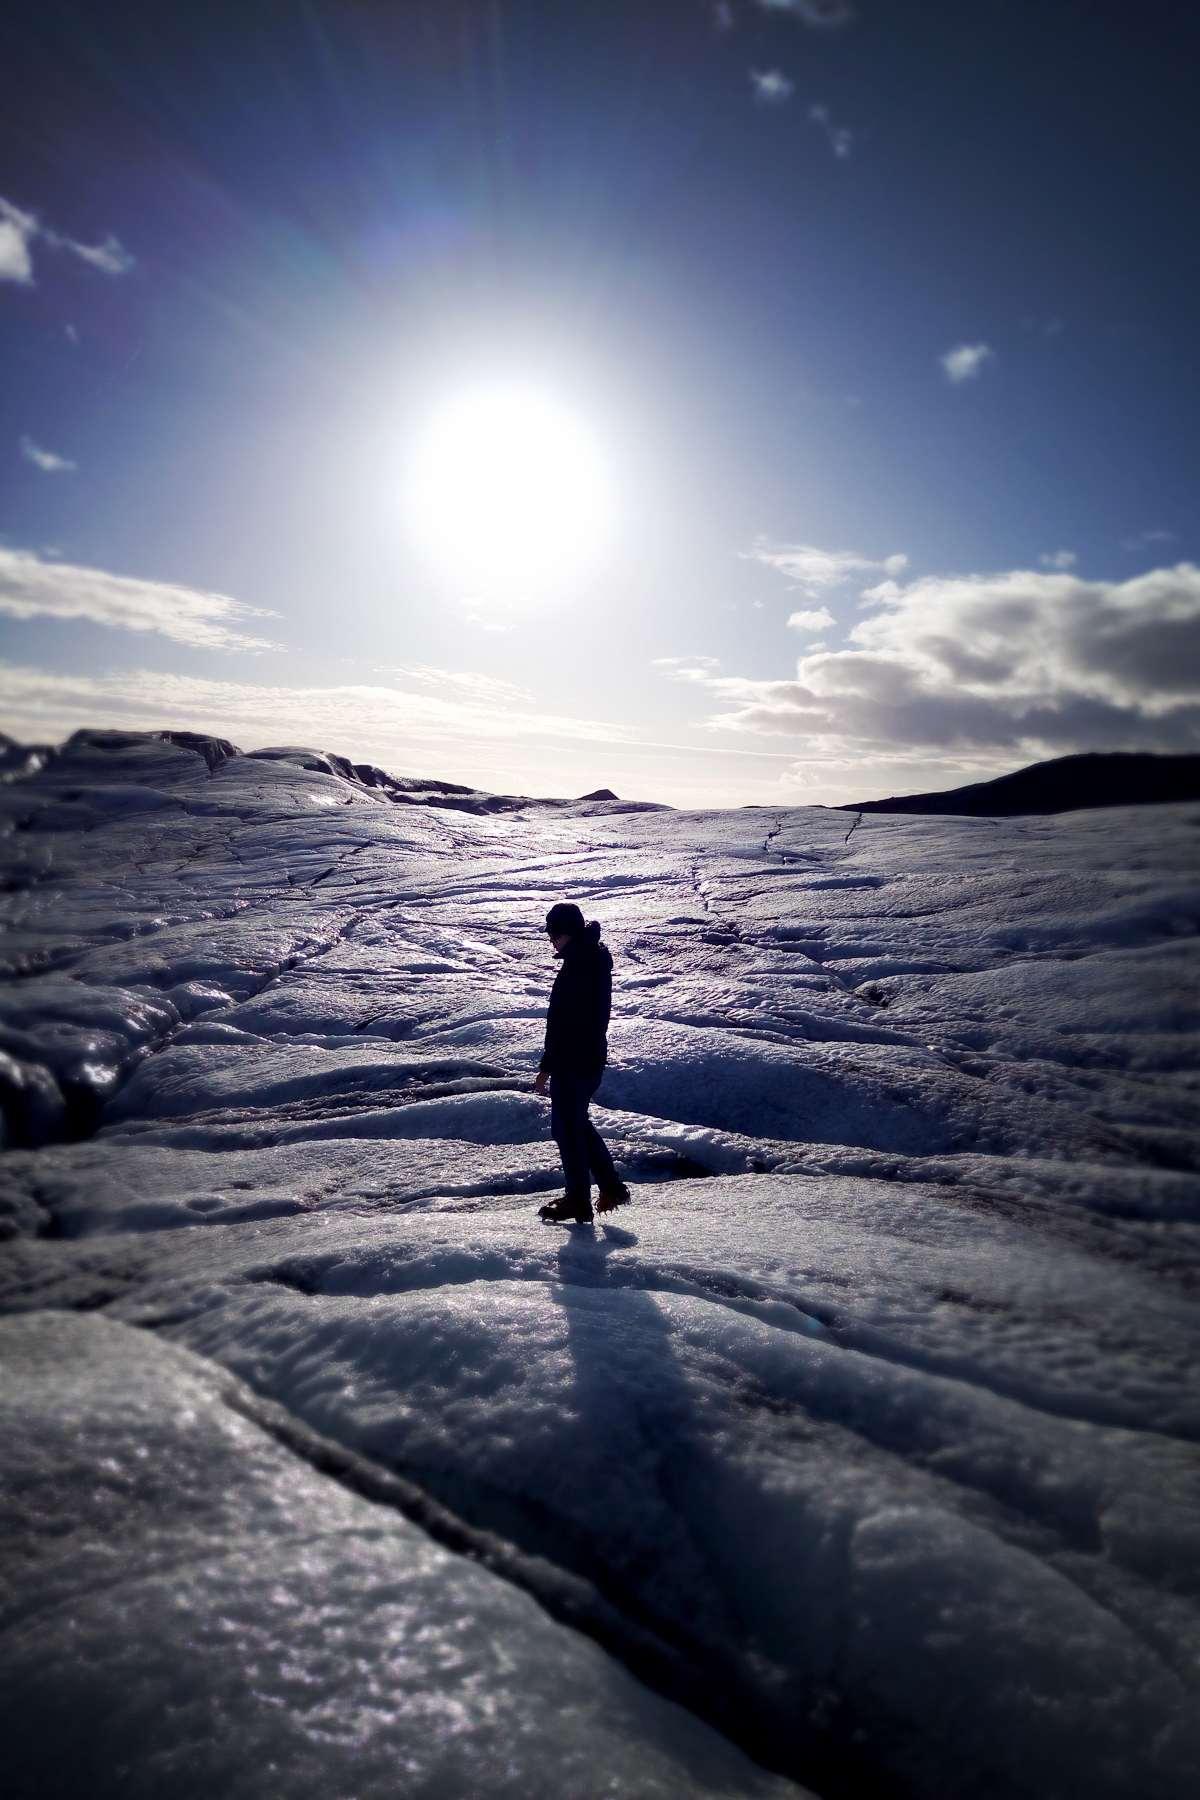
{"x":569,"y":1096}
{"x":612,"y":1188}
{"x":607,"y":1179}
{"x":597,"y":1150}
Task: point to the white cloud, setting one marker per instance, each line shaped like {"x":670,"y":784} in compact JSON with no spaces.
{"x":722,"y":16}
{"x":821,"y":15}
{"x":485,"y":623}
{"x":111,"y":257}
{"x":840,"y":137}
{"x":1144,"y":539}
{"x":20,"y":230}
{"x":480,"y":688}
{"x":816,"y":571}
{"x":966,"y":361}
{"x":381,"y":722}
{"x":1027,"y":661}
{"x":812,"y":621}
{"x":17,"y":230}
{"x":44,"y":459}
{"x":1058,"y":559}
{"x":30,"y":587}
{"x":772,"y":87}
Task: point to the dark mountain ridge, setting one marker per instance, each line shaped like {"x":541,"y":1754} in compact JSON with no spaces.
{"x":1066,"y":784}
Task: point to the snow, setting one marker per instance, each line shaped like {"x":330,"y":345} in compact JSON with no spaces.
{"x":886,"y":1431}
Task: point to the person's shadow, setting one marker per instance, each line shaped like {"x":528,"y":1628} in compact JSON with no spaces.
{"x":584,"y":1250}
{"x":632,"y":1445}
{"x":631,"y":1501}
{"x":645,"y":1502}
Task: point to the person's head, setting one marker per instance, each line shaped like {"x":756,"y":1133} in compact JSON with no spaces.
{"x":563,"y":922}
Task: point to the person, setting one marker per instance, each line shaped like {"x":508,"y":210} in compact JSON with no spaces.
{"x":573,"y":1064}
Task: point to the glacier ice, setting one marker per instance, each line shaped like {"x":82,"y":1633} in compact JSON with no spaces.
{"x":190,"y":1609}
{"x":864,"y":1444}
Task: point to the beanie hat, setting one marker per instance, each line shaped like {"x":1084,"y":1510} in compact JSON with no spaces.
{"x":564,"y":919}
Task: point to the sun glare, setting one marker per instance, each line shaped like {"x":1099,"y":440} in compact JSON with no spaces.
{"x":507,"y":492}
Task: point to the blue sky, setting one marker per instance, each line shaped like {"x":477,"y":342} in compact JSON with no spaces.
{"x":827,"y":288}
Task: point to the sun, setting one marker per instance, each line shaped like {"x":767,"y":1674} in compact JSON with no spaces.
{"x":507,"y":492}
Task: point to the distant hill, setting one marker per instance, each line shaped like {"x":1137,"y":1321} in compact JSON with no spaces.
{"x":1067,"y":784}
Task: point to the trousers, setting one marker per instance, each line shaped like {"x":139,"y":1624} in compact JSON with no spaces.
{"x":579,"y":1143}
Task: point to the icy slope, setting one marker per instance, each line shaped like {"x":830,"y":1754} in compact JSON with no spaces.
{"x":877,"y":1449}
{"x":189,"y":1609}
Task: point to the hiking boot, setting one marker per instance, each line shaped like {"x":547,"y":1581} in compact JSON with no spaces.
{"x":617,"y":1195}
{"x":572,"y":1209}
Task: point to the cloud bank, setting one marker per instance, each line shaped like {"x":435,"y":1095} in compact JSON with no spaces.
{"x":30,"y":587}
{"x":469,"y":735}
{"x":374,"y":720}
{"x":1028,"y":661}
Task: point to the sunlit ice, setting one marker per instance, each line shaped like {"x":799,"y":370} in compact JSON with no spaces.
{"x":507,"y":493}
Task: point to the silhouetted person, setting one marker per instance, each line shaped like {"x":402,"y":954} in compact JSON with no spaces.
{"x":573,"y":1064}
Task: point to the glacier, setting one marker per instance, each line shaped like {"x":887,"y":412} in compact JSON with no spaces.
{"x":860,"y":1455}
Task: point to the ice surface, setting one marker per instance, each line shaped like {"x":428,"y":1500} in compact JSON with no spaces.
{"x":188,"y":1608}
{"x":887,"y":1432}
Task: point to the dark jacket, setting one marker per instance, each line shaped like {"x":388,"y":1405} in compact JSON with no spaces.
{"x":580,"y":1002}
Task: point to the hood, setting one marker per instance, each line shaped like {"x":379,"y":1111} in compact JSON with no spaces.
{"x":588,"y":944}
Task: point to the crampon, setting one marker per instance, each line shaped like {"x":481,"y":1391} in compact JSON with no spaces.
{"x":572,"y":1209}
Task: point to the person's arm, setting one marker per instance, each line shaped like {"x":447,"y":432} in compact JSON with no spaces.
{"x":555,"y":1024}
{"x":593,"y":1007}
